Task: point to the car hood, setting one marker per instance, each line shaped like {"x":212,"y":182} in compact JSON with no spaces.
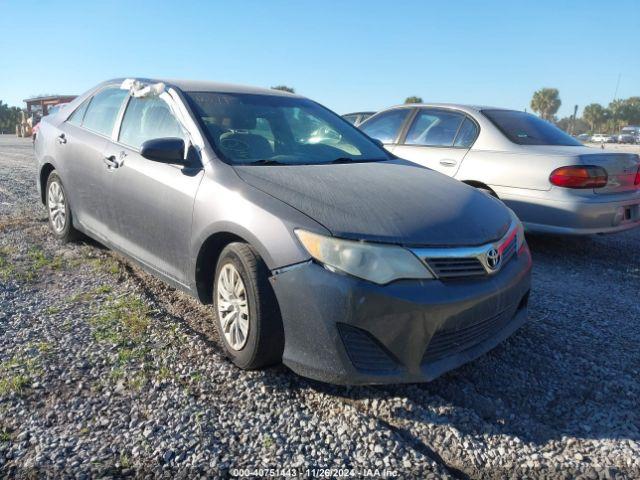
{"x":393,"y":202}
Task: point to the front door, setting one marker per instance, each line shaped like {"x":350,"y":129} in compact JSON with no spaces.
{"x":438,"y":139}
{"x":151,"y":202}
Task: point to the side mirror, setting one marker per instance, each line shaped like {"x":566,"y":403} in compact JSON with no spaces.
{"x":164,"y":150}
{"x":378,"y":142}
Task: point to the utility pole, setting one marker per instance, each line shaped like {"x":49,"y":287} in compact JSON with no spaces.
{"x":572,"y":127}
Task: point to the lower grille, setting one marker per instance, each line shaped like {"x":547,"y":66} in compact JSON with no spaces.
{"x":365,"y":352}
{"x":452,"y":341}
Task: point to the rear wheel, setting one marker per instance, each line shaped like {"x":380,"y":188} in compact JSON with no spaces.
{"x":488,"y":191}
{"x":60,"y":216}
{"x":247,"y":316}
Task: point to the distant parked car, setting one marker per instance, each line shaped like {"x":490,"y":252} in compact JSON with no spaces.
{"x":626,"y":138}
{"x":629,"y":134}
{"x":584,"y":137}
{"x":313,"y":244}
{"x":603,"y":138}
{"x":553,"y":182}
{"x":357,"y":118}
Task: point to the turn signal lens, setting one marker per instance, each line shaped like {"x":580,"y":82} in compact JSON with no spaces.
{"x":579,"y":176}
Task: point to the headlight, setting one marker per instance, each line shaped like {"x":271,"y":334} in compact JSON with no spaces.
{"x":519,"y":229}
{"x":374,"y":262}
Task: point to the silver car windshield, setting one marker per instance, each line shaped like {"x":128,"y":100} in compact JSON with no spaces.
{"x":250,"y":129}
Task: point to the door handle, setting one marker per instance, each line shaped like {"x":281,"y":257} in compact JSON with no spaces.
{"x":62,"y":139}
{"x":111,"y":162}
{"x":447,"y":162}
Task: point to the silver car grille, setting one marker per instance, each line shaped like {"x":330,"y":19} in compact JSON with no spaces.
{"x":462,"y":262}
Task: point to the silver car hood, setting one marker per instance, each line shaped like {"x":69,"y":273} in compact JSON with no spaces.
{"x":393,"y":202}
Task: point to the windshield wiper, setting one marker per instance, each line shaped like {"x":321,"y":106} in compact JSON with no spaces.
{"x":265,"y":162}
{"x":356,"y":160}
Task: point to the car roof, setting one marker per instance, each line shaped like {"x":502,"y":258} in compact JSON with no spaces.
{"x":452,"y":106}
{"x":359,"y":113}
{"x":206,"y":86}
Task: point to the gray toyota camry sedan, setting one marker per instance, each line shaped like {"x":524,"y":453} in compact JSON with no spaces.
{"x":314,"y":245}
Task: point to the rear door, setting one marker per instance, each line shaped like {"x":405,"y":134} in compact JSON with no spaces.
{"x":152,"y":202}
{"x":438,"y":139}
{"x":387,"y":126}
{"x":81,"y":146}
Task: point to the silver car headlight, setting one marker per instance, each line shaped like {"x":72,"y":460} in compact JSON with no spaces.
{"x":373,"y":262}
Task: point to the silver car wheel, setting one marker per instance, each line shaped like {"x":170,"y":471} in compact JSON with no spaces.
{"x":233,"y":308}
{"x":57,"y":207}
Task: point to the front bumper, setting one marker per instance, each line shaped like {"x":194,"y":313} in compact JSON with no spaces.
{"x":579,"y":216}
{"x":343,"y":330}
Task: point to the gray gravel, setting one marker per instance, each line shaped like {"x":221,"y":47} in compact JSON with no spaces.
{"x":106,"y":371}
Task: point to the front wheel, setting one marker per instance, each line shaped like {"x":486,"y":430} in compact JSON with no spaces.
{"x":60,"y":216}
{"x":248,"y":320}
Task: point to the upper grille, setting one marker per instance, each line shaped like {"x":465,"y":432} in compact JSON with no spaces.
{"x":474,"y":261}
{"x":456,"y":267}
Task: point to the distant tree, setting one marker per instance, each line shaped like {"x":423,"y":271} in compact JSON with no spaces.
{"x":284,"y":88}
{"x":579,"y":125}
{"x":633,"y":110}
{"x":618,"y":114}
{"x":546,"y":102}
{"x":595,"y":115}
{"x":413,"y":99}
{"x":9,"y":117}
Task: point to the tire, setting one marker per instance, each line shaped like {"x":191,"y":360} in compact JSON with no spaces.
{"x":489,"y":192}
{"x":58,"y":210}
{"x":262,"y":342}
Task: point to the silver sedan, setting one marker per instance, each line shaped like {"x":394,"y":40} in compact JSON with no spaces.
{"x":553,"y":182}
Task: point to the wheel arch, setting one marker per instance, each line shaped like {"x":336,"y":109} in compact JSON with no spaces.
{"x":45,"y":171}
{"x":207,"y":259}
{"x":481,"y":185}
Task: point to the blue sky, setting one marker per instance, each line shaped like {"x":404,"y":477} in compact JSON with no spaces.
{"x":348,"y":55}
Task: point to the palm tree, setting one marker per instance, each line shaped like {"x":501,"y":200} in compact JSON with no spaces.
{"x":546,"y":102}
{"x":284,"y":88}
{"x":413,"y":99}
{"x":595,"y":115}
{"x":620,"y":113}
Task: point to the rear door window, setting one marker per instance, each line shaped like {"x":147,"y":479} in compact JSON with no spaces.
{"x":434,"y":128}
{"x":78,"y":115}
{"x":466,"y":135}
{"x":103,"y":110}
{"x":147,"y":118}
{"x":386,"y":126}
{"x":352,"y":119}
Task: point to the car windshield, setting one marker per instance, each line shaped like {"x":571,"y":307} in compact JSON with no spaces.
{"x":255,"y":129}
{"x":526,"y":129}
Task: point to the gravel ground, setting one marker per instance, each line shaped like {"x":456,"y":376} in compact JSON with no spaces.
{"x":105,"y":371}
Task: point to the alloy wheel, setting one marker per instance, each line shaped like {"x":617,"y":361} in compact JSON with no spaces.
{"x":233,"y":308}
{"x":57,"y":207}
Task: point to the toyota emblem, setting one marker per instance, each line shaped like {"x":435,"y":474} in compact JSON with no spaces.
{"x":493,"y":259}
